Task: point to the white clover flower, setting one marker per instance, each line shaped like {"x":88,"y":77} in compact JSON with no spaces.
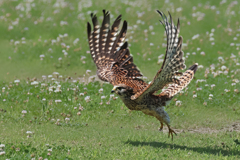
{"x":195,"y":95}
{"x":225,"y":72}
{"x":2,"y":153}
{"x":58,"y":100}
{"x":44,"y":99}
{"x":220,"y":59}
{"x":88,"y":71}
{"x":87,"y":99}
{"x":17,"y":81}
{"x":233,"y":84}
{"x":75,"y":41}
{"x":111,"y":95}
{"x":81,"y":94}
{"x":67,"y":119}
{"x":213,"y":85}
{"x":55,"y":73}
{"x":223,"y":68}
{"x":42,"y":56}
{"x":62,"y":23}
{"x":195,"y":36}
{"x":16,"y":43}
{"x":24,"y":111}
{"x":200,"y":66}
{"x":226,"y":90}
{"x":103,"y":97}
{"x":34,"y":83}
{"x":60,"y":58}
{"x":100,"y":90}
{"x":57,"y":90}
{"x":210,"y":95}
{"x":2,"y":145}
{"x":50,"y":150}
{"x":50,"y":89}
{"x":178,"y":103}
{"x":29,"y":132}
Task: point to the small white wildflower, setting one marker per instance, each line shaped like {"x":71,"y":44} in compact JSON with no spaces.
{"x":81,"y":94}
{"x":88,"y":71}
{"x":103,"y":97}
{"x":210,"y":95}
{"x":24,"y":111}
{"x":178,"y":103}
{"x":2,"y":153}
{"x":111,"y":95}
{"x":87,"y":98}
{"x":2,"y":145}
{"x":17,"y":81}
{"x":29,"y":132}
{"x":226,"y":90}
{"x":100,"y":90}
{"x":195,"y":95}
{"x":223,"y":68}
{"x":213,"y":85}
{"x":34,"y":83}
{"x":58,"y":101}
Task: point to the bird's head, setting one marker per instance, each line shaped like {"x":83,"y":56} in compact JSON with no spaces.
{"x":122,"y":90}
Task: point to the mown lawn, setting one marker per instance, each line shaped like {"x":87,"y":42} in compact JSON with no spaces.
{"x":52,"y":108}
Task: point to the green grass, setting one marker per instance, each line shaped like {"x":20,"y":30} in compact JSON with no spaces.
{"x":106,"y":129}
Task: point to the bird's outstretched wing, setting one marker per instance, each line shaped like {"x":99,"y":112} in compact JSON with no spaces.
{"x":111,"y":55}
{"x":185,"y":79}
{"x":173,"y":61}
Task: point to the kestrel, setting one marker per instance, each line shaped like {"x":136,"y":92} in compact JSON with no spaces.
{"x":115,"y":65}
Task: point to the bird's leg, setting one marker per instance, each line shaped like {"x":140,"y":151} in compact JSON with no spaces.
{"x":170,"y":132}
{"x":161,"y":127}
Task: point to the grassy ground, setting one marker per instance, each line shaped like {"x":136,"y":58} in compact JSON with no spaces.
{"x":64,"y":124}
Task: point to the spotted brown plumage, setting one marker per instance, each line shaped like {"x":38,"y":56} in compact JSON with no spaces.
{"x":115,"y":65}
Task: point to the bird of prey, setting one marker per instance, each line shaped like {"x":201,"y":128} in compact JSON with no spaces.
{"x":114,"y":63}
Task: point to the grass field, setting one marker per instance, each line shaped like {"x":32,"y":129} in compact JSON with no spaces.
{"x":52,"y":108}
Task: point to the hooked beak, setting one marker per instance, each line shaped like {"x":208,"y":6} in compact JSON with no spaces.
{"x":114,"y":89}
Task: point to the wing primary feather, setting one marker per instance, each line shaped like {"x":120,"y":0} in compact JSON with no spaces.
{"x":112,"y":34}
{"x":185,"y":79}
{"x":120,"y":39}
{"x":109,"y":51}
{"x":104,"y":31}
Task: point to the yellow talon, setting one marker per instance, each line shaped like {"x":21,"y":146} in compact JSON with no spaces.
{"x":171,"y":132}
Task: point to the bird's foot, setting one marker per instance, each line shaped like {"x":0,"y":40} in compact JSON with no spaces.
{"x":161,"y":127}
{"x":170,"y":132}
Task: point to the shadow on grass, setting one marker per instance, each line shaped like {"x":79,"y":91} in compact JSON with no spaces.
{"x":207,"y":149}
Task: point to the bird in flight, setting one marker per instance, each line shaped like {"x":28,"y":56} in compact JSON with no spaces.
{"x":110,"y":53}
